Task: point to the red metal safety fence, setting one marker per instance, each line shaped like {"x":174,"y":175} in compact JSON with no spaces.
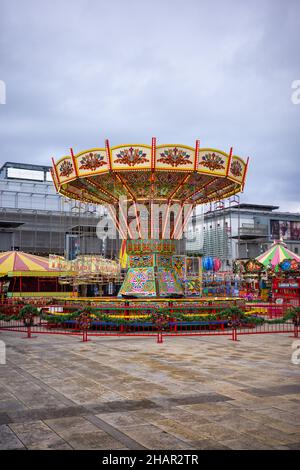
{"x":148,"y":322}
{"x":177,"y":329}
{"x":269,"y":310}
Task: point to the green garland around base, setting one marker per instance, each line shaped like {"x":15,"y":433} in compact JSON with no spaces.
{"x":160,"y":318}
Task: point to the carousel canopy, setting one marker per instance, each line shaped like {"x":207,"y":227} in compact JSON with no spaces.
{"x":162,"y":173}
{"x":141,"y":174}
{"x":18,"y":263}
{"x":276,"y":254}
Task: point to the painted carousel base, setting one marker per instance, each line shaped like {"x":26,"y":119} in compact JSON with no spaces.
{"x":145,"y":282}
{"x":151,"y":272}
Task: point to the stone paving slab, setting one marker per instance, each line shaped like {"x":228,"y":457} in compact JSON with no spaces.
{"x":274,"y":391}
{"x":82,"y":434}
{"x":132,"y":393}
{"x":121,"y":405}
{"x":4,"y":418}
{"x":37,"y":435}
{"x":9,"y":440}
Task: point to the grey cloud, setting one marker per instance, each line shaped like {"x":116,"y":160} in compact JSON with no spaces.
{"x":80,"y":71}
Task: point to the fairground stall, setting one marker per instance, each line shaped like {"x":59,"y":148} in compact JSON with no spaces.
{"x":250,"y":279}
{"x":26,"y":275}
{"x":274,"y":276}
{"x":88,"y":275}
{"x":282,"y":273}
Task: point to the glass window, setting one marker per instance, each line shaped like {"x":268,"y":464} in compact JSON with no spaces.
{"x":25,"y":174}
{"x":52,"y":203}
{"x":13,"y":186}
{"x":8,"y":199}
{"x":24,"y":201}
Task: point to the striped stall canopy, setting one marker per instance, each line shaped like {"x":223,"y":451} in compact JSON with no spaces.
{"x":17,"y":263}
{"x":276,"y":254}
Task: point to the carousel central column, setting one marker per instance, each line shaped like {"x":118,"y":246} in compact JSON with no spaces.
{"x":150,"y":272}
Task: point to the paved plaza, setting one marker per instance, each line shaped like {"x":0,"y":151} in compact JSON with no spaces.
{"x":132,"y":393}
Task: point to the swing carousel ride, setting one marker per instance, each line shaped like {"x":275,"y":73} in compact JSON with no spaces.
{"x":150,"y":191}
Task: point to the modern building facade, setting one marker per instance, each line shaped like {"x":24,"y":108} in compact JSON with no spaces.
{"x":240,"y":231}
{"x":35,"y":219}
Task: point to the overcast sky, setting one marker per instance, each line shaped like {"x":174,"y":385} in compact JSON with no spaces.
{"x":77,"y":72}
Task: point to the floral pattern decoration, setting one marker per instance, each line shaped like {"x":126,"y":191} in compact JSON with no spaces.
{"x":295,"y":266}
{"x":131,"y":157}
{"x":236,"y":168}
{"x":66,"y":168}
{"x":174,"y":157}
{"x":213,"y":161}
{"x":138,"y":261}
{"x":138,"y":281}
{"x":253,"y":266}
{"x":92,"y":161}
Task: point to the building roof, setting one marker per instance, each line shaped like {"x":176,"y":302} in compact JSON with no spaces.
{"x":25,"y":166}
{"x":252,"y":209}
{"x":25,"y":171}
{"x":256,"y":207}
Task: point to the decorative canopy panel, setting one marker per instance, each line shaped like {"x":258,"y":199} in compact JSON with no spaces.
{"x":140,"y":173}
{"x":18,"y":263}
{"x":276,"y":254}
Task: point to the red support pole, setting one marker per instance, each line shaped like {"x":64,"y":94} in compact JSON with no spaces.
{"x":84,"y":335}
{"x":29,"y":335}
{"x":74,"y":161}
{"x":108,"y":152}
{"x":234,"y":334}
{"x":159,"y":337}
{"x":229,"y":161}
{"x":296,"y":332}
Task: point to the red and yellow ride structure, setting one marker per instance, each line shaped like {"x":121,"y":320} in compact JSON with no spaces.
{"x":132,"y":180}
